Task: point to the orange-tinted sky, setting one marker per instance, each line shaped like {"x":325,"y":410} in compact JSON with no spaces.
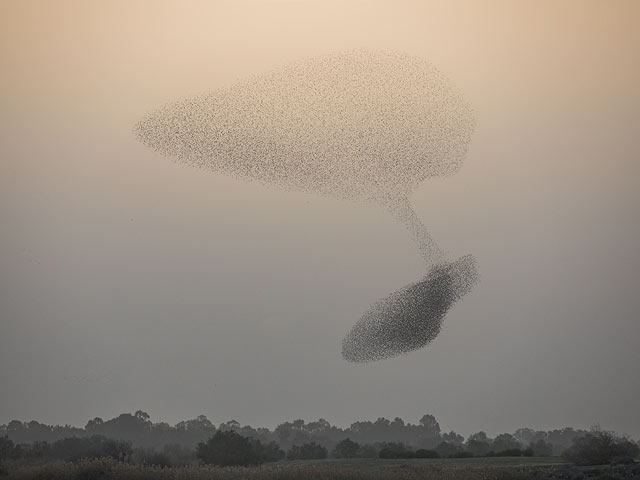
{"x":130,"y":282}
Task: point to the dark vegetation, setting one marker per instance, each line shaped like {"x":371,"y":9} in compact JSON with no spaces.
{"x":307,"y":451}
{"x":135,"y":440}
{"x":72,"y":449}
{"x":600,"y":448}
{"x":227,"y":448}
{"x":480,"y":468}
{"x":141,"y":432}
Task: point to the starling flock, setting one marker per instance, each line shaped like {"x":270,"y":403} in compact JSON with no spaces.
{"x":363,"y":125}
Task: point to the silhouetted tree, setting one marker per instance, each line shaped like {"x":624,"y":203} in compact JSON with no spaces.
{"x":395,"y":450}
{"x":118,"y":449}
{"x":453,"y":438}
{"x":228,"y":448}
{"x":503,"y":442}
{"x":446,"y":449}
{"x":424,"y":453}
{"x":368,"y":451}
{"x":527,"y":436}
{"x":6,"y":448}
{"x":509,"y":452}
{"x":430,"y":423}
{"x":75,"y":448}
{"x":138,"y":429}
{"x":308,"y":451}
{"x":292,"y":433}
{"x":600,"y":447}
{"x":478,"y":444}
{"x":541,"y":448}
{"x":563,"y":438}
{"x":270,"y":452}
{"x":346,"y":449}
{"x":93,"y":425}
{"x":179,"y":454}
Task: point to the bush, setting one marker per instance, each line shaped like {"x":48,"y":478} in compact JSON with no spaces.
{"x":447,"y":449}
{"x":395,"y":450}
{"x":116,"y":449}
{"x":271,"y":452}
{"x":6,"y":448}
{"x":72,"y":448}
{"x":368,"y":451}
{"x":228,"y":448}
{"x":478,"y":448}
{"x":424,"y":453}
{"x":308,"y":451}
{"x":346,"y":449}
{"x":179,"y":454}
{"x":541,"y":448}
{"x":599,"y":448}
{"x":75,"y":448}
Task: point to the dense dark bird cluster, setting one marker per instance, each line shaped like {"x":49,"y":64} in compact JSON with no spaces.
{"x":360,"y":125}
{"x":411,"y":317}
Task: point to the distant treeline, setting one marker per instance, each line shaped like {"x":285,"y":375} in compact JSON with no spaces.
{"x":382,"y":437}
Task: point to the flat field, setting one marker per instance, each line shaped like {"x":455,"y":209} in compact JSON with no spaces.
{"x":494,"y":468}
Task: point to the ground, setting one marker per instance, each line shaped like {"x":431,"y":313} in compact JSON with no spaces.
{"x":491,"y":468}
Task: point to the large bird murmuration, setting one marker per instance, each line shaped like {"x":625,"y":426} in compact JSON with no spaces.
{"x":370,"y":126}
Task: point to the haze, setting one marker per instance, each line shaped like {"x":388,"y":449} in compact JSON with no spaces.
{"x":130,"y":282}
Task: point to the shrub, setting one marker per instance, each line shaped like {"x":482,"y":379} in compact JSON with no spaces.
{"x":271,"y":452}
{"x":424,"y":453}
{"x":308,"y":451}
{"x":599,"y":448}
{"x":180,"y":454}
{"x":477,"y":447}
{"x":116,"y":449}
{"x":346,"y":449}
{"x":541,"y":448}
{"x":447,"y":450}
{"x":228,"y":448}
{"x":395,"y":450}
{"x":6,"y":448}
{"x":368,"y":451}
{"x":75,"y":448}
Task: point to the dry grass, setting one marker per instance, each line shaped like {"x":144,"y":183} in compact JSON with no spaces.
{"x":359,"y":469}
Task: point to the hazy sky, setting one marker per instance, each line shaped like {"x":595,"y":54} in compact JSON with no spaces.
{"x":129,"y":282}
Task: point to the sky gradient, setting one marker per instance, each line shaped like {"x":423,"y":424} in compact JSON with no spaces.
{"x":130,"y":282}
